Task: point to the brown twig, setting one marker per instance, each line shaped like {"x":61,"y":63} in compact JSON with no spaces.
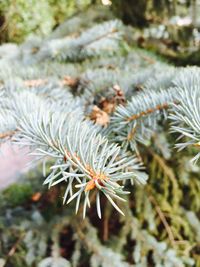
{"x":166,"y":225}
{"x":106,"y":221}
{"x":99,"y":38}
{"x":132,"y":133}
{"x":13,"y":249}
{"x":147,"y":112}
{"x":163,"y":220}
{"x":7,"y":134}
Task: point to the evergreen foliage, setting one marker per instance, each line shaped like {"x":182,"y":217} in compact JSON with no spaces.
{"x":20,"y":19}
{"x":101,"y":113}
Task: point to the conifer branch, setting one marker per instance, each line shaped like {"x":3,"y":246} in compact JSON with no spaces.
{"x":148,"y":111}
{"x":136,"y":121}
{"x":185,"y":116}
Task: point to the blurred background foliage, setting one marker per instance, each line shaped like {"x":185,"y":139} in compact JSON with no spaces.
{"x":174,"y":23}
{"x":19,"y":18}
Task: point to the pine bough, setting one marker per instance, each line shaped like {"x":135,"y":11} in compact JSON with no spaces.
{"x":40,"y":110}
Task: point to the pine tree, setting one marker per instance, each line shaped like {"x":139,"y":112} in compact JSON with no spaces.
{"x":102,"y":116}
